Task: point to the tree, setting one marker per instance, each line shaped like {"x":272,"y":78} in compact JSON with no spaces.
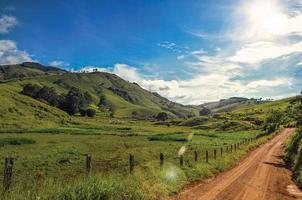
{"x":205,"y":111}
{"x":162,"y":116}
{"x":31,"y":90}
{"x":76,"y":100}
{"x":103,"y":101}
{"x":49,"y":94}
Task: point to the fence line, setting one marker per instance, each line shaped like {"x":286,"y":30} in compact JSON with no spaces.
{"x":9,"y":161}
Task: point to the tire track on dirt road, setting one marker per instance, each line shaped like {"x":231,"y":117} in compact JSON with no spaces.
{"x":261,"y":175}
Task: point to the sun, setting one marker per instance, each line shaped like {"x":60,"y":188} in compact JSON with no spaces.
{"x":265,"y":17}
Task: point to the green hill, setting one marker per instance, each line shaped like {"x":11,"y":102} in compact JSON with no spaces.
{"x":127,"y":99}
{"x":227,"y":105}
{"x":27,"y":69}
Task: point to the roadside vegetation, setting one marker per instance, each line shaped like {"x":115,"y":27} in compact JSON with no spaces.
{"x":293,"y":155}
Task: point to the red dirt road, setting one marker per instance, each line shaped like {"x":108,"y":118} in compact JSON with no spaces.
{"x":260,"y":176}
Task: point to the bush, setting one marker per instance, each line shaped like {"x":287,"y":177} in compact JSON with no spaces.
{"x":83,"y":112}
{"x":194,"y":121}
{"x":165,"y":137}
{"x":90,"y":112}
{"x":16,"y":141}
{"x":162,"y":116}
{"x":273,"y":121}
{"x":205,"y":111}
{"x":31,"y":90}
{"x":103,"y":101}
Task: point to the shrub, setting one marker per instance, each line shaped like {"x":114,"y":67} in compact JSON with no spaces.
{"x":194,"y":121}
{"x":204,"y":111}
{"x":103,"y":101}
{"x":165,"y":137}
{"x":83,"y":112}
{"x":16,"y":141}
{"x":162,"y":116}
{"x":273,"y":121}
{"x":31,"y":90}
{"x":90,"y":112}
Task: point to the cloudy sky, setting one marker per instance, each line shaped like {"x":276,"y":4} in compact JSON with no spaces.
{"x":189,"y":51}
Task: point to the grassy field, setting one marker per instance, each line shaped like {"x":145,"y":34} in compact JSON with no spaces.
{"x":47,"y":157}
{"x":50,"y":161}
{"x":49,"y":146}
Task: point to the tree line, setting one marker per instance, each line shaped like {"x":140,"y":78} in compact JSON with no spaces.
{"x":75,"y":101}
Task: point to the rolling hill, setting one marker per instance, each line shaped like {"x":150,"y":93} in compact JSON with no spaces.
{"x":227,"y":105}
{"x":128,"y":99}
{"x":27,"y":69}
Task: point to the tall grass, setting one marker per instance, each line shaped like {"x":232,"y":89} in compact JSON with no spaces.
{"x":293,"y":156}
{"x":148,"y":181}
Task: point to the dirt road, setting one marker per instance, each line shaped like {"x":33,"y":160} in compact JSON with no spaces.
{"x":260,"y":176}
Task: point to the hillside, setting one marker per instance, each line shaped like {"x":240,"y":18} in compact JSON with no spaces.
{"x":127,"y":99}
{"x":27,"y":69}
{"x":227,"y":105}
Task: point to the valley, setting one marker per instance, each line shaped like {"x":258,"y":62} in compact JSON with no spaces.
{"x":50,"y":147}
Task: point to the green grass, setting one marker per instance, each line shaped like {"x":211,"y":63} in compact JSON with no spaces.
{"x":50,"y":146}
{"x":58,"y":156}
{"x":293,"y":156}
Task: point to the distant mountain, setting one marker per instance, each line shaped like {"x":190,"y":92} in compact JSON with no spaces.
{"x":125,"y":98}
{"x":226,"y":105}
{"x":27,"y":69}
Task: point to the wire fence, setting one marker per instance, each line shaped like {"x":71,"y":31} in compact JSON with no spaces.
{"x":191,"y":156}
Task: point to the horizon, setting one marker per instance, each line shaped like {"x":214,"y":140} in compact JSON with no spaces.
{"x":212,"y":51}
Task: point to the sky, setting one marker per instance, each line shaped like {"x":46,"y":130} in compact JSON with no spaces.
{"x":190,"y":51}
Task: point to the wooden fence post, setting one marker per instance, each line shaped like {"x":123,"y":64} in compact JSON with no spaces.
{"x":8,"y":173}
{"x":131,"y":163}
{"x":221,"y":151}
{"x":161,"y":160}
{"x":181,"y":160}
{"x":207,"y":156}
{"x":88,"y":163}
{"x":235,"y":147}
{"x":195,"y":156}
{"x":214,"y":153}
{"x":231,"y":148}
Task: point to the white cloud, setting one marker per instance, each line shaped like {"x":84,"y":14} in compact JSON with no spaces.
{"x":58,"y":63}
{"x":198,"y":52}
{"x":127,"y":72}
{"x":259,"y":51}
{"x":181,"y":57}
{"x":10,"y":54}
{"x":206,"y":87}
{"x":6,"y":23}
{"x":269,"y":83}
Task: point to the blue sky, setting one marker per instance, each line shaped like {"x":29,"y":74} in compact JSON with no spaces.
{"x":187,"y":50}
